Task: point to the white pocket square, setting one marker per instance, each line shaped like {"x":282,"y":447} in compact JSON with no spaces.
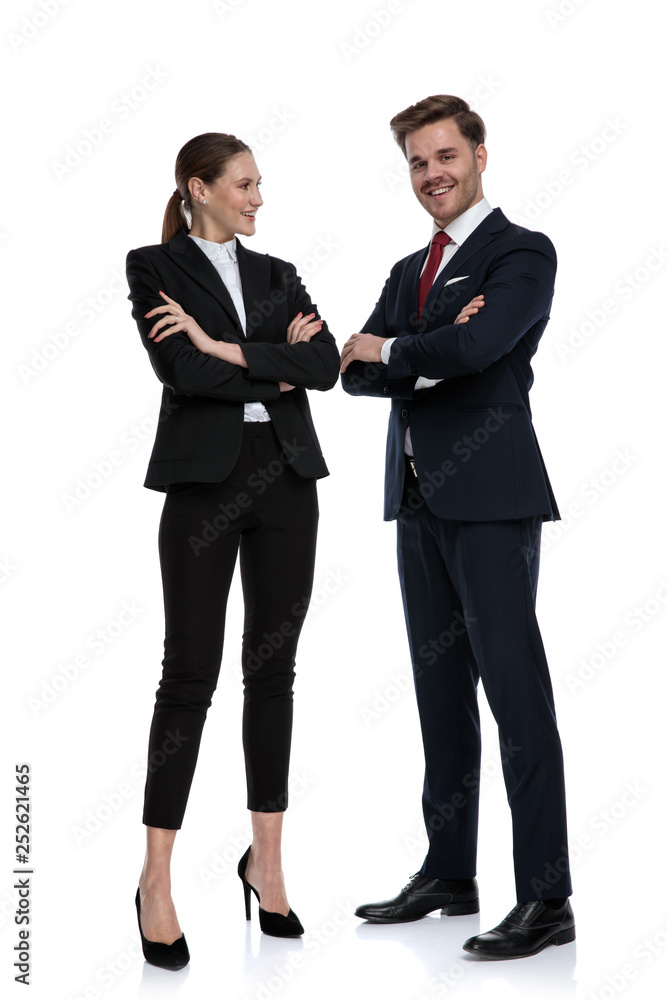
{"x":452,"y":280}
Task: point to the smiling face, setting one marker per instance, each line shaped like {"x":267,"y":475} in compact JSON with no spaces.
{"x":444,"y":170}
{"x":232,"y":200}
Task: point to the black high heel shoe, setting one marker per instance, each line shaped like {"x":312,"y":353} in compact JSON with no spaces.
{"x":172,"y":956}
{"x":275,"y":924}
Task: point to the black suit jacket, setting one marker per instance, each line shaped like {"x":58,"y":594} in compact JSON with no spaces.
{"x":474,"y":445}
{"x":201,"y":422}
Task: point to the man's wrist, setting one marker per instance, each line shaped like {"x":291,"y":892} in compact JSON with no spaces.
{"x":386,"y":350}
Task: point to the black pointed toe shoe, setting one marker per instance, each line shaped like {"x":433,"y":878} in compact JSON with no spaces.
{"x":275,"y":924}
{"x":525,"y":931}
{"x":172,"y":956}
{"x":421,"y":896}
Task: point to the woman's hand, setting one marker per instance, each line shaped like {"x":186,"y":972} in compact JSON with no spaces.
{"x":303,"y":328}
{"x":473,"y":306}
{"x":180,"y":321}
{"x":175,"y":320}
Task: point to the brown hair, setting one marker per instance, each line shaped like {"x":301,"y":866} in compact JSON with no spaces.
{"x":435,"y":109}
{"x":206,"y":156}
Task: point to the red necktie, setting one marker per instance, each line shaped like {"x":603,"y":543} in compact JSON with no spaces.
{"x":438,"y":244}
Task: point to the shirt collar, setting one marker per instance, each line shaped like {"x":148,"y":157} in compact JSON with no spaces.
{"x":214,"y":250}
{"x":464,"y":224}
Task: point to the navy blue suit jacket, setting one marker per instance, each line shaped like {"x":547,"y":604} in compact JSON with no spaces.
{"x":475,"y":449}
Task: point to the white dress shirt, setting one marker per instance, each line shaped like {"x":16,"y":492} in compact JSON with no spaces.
{"x":458,"y":231}
{"x":224,"y":260}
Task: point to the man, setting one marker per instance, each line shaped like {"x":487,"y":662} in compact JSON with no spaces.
{"x":466,"y":482}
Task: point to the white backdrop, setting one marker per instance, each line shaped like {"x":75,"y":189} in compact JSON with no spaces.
{"x":97,"y":99}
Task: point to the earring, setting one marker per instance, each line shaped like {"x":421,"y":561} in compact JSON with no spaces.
{"x":205,"y":202}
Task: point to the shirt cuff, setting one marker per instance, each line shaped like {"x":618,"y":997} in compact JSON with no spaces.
{"x":386,"y":350}
{"x":426,"y":383}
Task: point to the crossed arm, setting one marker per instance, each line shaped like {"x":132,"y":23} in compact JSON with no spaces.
{"x":368,"y":346}
{"x":174,"y":319}
{"x":200,"y":365}
{"x":516,"y":293}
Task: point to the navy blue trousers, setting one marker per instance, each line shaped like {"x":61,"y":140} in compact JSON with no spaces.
{"x":469,"y":599}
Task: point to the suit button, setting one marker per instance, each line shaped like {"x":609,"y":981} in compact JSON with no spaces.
{"x":386,"y":389}
{"x":404,"y":414}
{"x":413,"y":370}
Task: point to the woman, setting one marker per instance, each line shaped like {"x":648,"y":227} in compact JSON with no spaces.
{"x":236,"y":341}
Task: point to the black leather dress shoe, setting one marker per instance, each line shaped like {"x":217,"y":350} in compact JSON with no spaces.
{"x":420,"y":896}
{"x":526,"y":929}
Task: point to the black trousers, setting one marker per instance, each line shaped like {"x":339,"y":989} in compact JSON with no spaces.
{"x":469,"y":599}
{"x":268,"y":513}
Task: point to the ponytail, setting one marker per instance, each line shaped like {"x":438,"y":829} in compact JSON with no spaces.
{"x":174,"y":218}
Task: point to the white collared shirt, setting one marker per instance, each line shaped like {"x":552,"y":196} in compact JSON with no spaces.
{"x":459,"y":230}
{"x":225,"y":261}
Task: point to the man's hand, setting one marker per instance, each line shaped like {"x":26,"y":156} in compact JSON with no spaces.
{"x":368,"y":347}
{"x":473,"y":307}
{"x":362,"y":347}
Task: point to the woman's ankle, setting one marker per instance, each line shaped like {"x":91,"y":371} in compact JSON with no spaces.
{"x":155,"y":884}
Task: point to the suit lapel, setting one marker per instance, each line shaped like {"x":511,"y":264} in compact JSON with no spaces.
{"x":197,"y":266}
{"x":255,"y":270}
{"x":478,"y":239}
